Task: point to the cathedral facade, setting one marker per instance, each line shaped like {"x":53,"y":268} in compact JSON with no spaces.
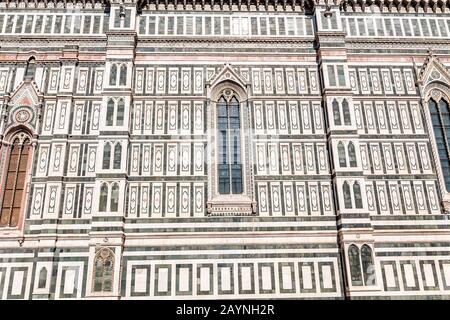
{"x":210,"y":149}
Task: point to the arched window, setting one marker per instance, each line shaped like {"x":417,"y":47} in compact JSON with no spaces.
{"x":355,"y":265}
{"x":368,"y":267}
{"x":103,"y":198}
{"x":42,"y":278}
{"x":103,"y":271}
{"x":341,"y":155}
{"x":113,"y":75}
{"x":13,"y":188}
{"x":357,"y":194}
{"x":110,"y":113}
{"x":229,"y":146}
{"x":114,"y":204}
{"x":347,"y":196}
{"x":120,"y":112}
{"x":346,"y":112}
{"x":440,"y":117}
{"x":31,"y":68}
{"x":106,"y":156}
{"x":336,"y":113}
{"x":123,"y":75}
{"x":117,"y":156}
{"x":351,"y":154}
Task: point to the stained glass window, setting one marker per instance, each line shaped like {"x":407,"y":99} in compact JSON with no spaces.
{"x":355,"y":265}
{"x":103,"y":271}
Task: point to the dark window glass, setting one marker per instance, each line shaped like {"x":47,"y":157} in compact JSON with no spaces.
{"x":388,"y":25}
{"x":217,"y":26}
{"x":103,"y":271}
{"x":336,"y":113}
{"x":117,"y":156}
{"x":229,"y":146}
{"x":226,"y":26}
{"x":347,"y":196}
{"x":103,"y":198}
{"x":361,"y":27}
{"x":161,"y":25}
{"x":110,"y":113}
{"x":367,"y":265}
{"x":151,"y":24}
{"x":58,"y":24}
{"x":341,"y":155}
{"x":106,"y":156}
{"x":440,"y":117}
{"x":120,"y":112}
{"x":398,"y":28}
{"x":28,"y":24}
{"x":406,"y":27}
{"x":254,"y":26}
{"x":442,"y":28}
{"x":114,"y":203}
{"x":357,"y":194}
{"x":127,"y":18}
{"x":31,"y":68}
{"x":170,"y":25}
{"x":434,"y":29}
{"x":263,"y":26}
{"x":331,"y":75}
{"x":352,"y":26}
{"x":77,"y":24}
{"x":346,"y":112}
{"x":416,"y":27}
{"x":370,"y":27}
{"x":19,"y":24}
{"x":198,"y":26}
{"x":189,"y":26}
{"x":42,"y":278}
{"x":380,"y":29}
{"x":272,"y":26}
{"x":113,"y":75}
{"x":9,"y":23}
{"x":123,"y":75}
{"x":281,"y":27}
{"x":38,"y":24}
{"x":351,"y":154}
{"x":180,"y":25}
{"x":425,"y":29}
{"x":67,"y":24}
{"x":96,"y":29}
{"x":355,"y":265}
{"x":87,"y":24}
{"x":48,"y":24}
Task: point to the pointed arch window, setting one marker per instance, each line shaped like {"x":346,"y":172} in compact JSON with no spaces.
{"x":103,"y":271}
{"x":341,"y":155}
{"x":123,"y":75}
{"x":106,"y":156}
{"x":114,"y":204}
{"x":355,"y":265}
{"x":110,"y":113}
{"x":368,"y":267}
{"x":336,"y":113}
{"x":103,"y":198}
{"x":440,"y":118}
{"x":113,"y":75}
{"x":120,"y":112}
{"x":346,"y":112}
{"x":351,"y":154}
{"x":115,"y":112}
{"x":347,"y":196}
{"x":117,"y":156}
{"x":357,"y":194}
{"x":362,"y":268}
{"x":229,"y":146}
{"x":13,"y":187}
